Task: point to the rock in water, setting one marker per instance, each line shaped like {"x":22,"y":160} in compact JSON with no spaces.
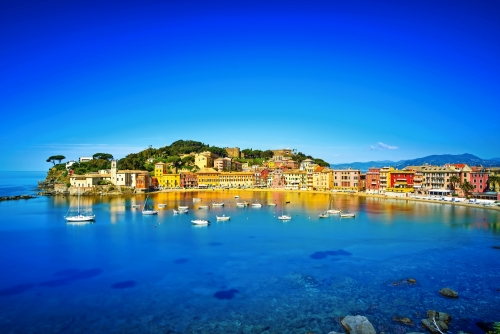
{"x":441,"y":320}
{"x":404,"y":320}
{"x":357,"y":325}
{"x":447,"y":292}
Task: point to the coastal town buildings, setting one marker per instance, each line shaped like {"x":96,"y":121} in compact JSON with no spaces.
{"x":188,"y":180}
{"x":233,"y":152}
{"x":208,"y":178}
{"x":479,"y":179}
{"x":401,"y":181}
{"x":205,"y":159}
{"x":295,"y":179}
{"x":373,"y":180}
{"x":237,"y":179}
{"x":322,"y":178}
{"x":384,"y":177}
{"x":346,"y":179}
{"x":223,"y":164}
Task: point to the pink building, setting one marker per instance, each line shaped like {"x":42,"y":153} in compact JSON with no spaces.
{"x":479,"y":179}
{"x":276,"y":179}
{"x":189,"y":180}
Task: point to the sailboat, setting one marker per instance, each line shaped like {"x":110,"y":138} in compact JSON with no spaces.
{"x":81,"y":216}
{"x":148,"y":207}
{"x":330,"y":210}
{"x":284,"y":216}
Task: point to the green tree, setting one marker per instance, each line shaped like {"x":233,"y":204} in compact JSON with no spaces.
{"x":467,"y":188}
{"x":454,"y":180}
{"x":221,"y":152}
{"x":103,"y":156}
{"x":55,"y":158}
{"x":493,"y":180}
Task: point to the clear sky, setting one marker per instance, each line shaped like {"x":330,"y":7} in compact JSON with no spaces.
{"x":340,"y":80}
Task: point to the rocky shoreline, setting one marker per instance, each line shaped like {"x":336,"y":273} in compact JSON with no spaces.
{"x":16,"y":197}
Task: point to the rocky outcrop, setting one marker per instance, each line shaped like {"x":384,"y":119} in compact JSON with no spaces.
{"x":13,"y":198}
{"x":404,"y":320}
{"x":449,"y":293}
{"x":436,"y":322}
{"x":357,"y":325}
{"x":409,"y":281}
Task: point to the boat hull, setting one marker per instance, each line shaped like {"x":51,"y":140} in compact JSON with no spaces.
{"x":79,"y":218}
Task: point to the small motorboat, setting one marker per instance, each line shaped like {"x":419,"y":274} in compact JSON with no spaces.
{"x":176,"y":212}
{"x":285,"y":217}
{"x":223,"y":217}
{"x":183,"y":207}
{"x":256,"y":205}
{"x":203,"y":207}
{"x":236,"y":196}
{"x":196,"y":199}
{"x":136,"y":206}
{"x":162,"y":205}
{"x":200,"y":222}
{"x":347,"y":215}
{"x":242,"y":204}
{"x":324,"y":215}
{"x":214,"y":204}
{"x":271,"y":204}
{"x":333,"y":211}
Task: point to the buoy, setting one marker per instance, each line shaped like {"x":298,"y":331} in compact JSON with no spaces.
{"x":155,"y":226}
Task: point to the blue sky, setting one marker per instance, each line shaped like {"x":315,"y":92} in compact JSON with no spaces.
{"x":340,"y":80}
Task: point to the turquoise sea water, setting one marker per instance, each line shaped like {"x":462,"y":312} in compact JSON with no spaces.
{"x":129,"y":273}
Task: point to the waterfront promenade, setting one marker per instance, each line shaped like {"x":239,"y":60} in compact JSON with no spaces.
{"x":434,"y":200}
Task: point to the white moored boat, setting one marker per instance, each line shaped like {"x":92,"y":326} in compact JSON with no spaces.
{"x":196,"y":199}
{"x":330,"y":210}
{"x":324,"y":215}
{"x":347,"y":215}
{"x":162,"y":205}
{"x":200,"y":222}
{"x":214,"y":204}
{"x":204,"y":207}
{"x":284,"y":216}
{"x":223,"y":217}
{"x":256,"y":205}
{"x":236,"y":196}
{"x":271,"y":204}
{"x":80,"y":216}
{"x":183,"y":207}
{"x":242,"y":204}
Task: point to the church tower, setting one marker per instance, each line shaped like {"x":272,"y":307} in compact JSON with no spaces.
{"x":114,"y":171}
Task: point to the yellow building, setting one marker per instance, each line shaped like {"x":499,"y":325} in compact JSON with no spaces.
{"x":208,"y":178}
{"x":385,"y":177}
{"x":205,"y":159}
{"x":295,"y":179}
{"x":322,"y":178}
{"x":166,"y":180}
{"x":270,"y":164}
{"x":236,"y":179}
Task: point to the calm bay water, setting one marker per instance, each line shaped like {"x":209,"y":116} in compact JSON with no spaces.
{"x":253,"y":274}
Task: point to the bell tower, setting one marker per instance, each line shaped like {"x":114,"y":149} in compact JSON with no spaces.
{"x":114,"y":171}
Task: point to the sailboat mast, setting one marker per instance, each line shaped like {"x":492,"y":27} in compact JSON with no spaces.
{"x":78,"y":200}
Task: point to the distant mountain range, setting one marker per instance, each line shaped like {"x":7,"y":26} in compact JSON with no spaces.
{"x":435,"y":160}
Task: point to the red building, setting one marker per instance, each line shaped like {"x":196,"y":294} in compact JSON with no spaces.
{"x":478,"y":179}
{"x":188,"y":180}
{"x":401,"y":179}
{"x":373,"y":179}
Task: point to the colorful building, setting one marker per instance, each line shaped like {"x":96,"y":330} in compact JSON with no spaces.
{"x":347,"y":180}
{"x":385,"y":177}
{"x":222,"y":164}
{"x":276,"y":179}
{"x":237,"y":179}
{"x":401,"y":181}
{"x":372,"y":183}
{"x":479,"y":179}
{"x":188,"y":180}
{"x":322,"y":178}
{"x":295,"y":179}
{"x":208,"y":178}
